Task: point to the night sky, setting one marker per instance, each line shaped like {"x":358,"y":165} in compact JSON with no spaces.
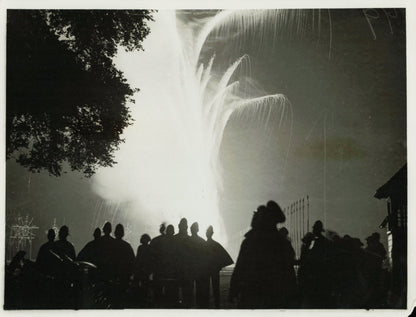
{"x":346,"y":82}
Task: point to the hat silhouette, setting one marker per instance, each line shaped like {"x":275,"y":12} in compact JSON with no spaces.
{"x":276,"y":213}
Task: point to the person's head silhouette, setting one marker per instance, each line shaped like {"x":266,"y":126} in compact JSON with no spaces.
{"x":97,"y":233}
{"x":210,"y":232}
{"x":107,"y":228}
{"x":356,"y":242}
{"x":308,"y":238}
{"x":375,"y":237}
{"x":257,"y":222}
{"x":170,"y":230}
{"x":145,"y":239}
{"x":183,"y":225}
{"x":63,"y":233}
{"x":284,"y":232}
{"x":119,"y":231}
{"x":318,"y":227}
{"x":194,"y":229}
{"x":162,"y":228}
{"x":51,"y":235}
{"x":275,"y":213}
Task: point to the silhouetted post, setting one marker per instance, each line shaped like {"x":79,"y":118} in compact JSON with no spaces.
{"x":307,"y":200}
{"x":284,"y":212}
{"x":291,"y":220}
{"x":294,"y":225}
{"x":300,"y":222}
{"x":303,"y":218}
{"x":297,"y":225}
{"x":301,"y":225}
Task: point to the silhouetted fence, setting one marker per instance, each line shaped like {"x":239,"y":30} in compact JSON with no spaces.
{"x":297,"y":222}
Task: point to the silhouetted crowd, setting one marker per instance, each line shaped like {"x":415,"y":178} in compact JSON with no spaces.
{"x":178,"y":270}
{"x":168,"y":271}
{"x":331,"y":272}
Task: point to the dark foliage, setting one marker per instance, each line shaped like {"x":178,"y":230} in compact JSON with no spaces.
{"x":66,"y":101}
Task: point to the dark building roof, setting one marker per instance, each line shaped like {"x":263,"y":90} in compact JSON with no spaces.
{"x":397,"y":185}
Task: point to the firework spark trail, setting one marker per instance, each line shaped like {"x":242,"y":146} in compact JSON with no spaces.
{"x":171,"y":164}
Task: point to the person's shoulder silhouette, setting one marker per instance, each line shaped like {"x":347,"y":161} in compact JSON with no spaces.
{"x":90,"y":252}
{"x":63,"y":248}
{"x":218,"y":256}
{"x":122,"y":244}
{"x":144,"y":257}
{"x":198,"y":251}
{"x":107,"y":228}
{"x":194,"y":234}
{"x":123,"y":251}
{"x":106,"y":242}
{"x":156,"y":242}
{"x":182,"y":230}
{"x":181,"y":246}
{"x":44,"y":259}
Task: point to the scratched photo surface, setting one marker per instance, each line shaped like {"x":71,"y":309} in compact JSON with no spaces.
{"x":206,"y":159}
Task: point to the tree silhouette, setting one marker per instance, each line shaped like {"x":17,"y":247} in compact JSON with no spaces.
{"x":66,"y":101}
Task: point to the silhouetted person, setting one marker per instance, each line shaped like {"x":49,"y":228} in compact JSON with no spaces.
{"x":183,"y":263}
{"x":305,"y":277}
{"x":360,"y":287}
{"x":144,"y":265}
{"x":17,"y":263}
{"x":306,"y":244}
{"x":284,"y":232}
{"x":123,"y":256}
{"x":67,"y":270}
{"x":261,"y":277}
{"x":285,"y":235}
{"x":15,"y":283}
{"x":321,"y":270}
{"x":291,"y":275}
{"x":199,"y":267}
{"x":169,"y":281}
{"x":375,"y":247}
{"x":48,"y":264}
{"x":91,"y":251}
{"x":168,"y":252}
{"x":157,"y":250}
{"x":106,"y":260}
{"x":375,"y":253}
{"x":63,"y":248}
{"x":218,"y":258}
{"x":45,"y":260}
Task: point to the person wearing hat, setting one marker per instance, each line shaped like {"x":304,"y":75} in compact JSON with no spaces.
{"x":63,"y":248}
{"x":66,"y":270}
{"x":262,"y":277}
{"x":321,"y":271}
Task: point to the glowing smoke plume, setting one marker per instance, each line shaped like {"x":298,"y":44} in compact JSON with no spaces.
{"x":169,"y":166}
